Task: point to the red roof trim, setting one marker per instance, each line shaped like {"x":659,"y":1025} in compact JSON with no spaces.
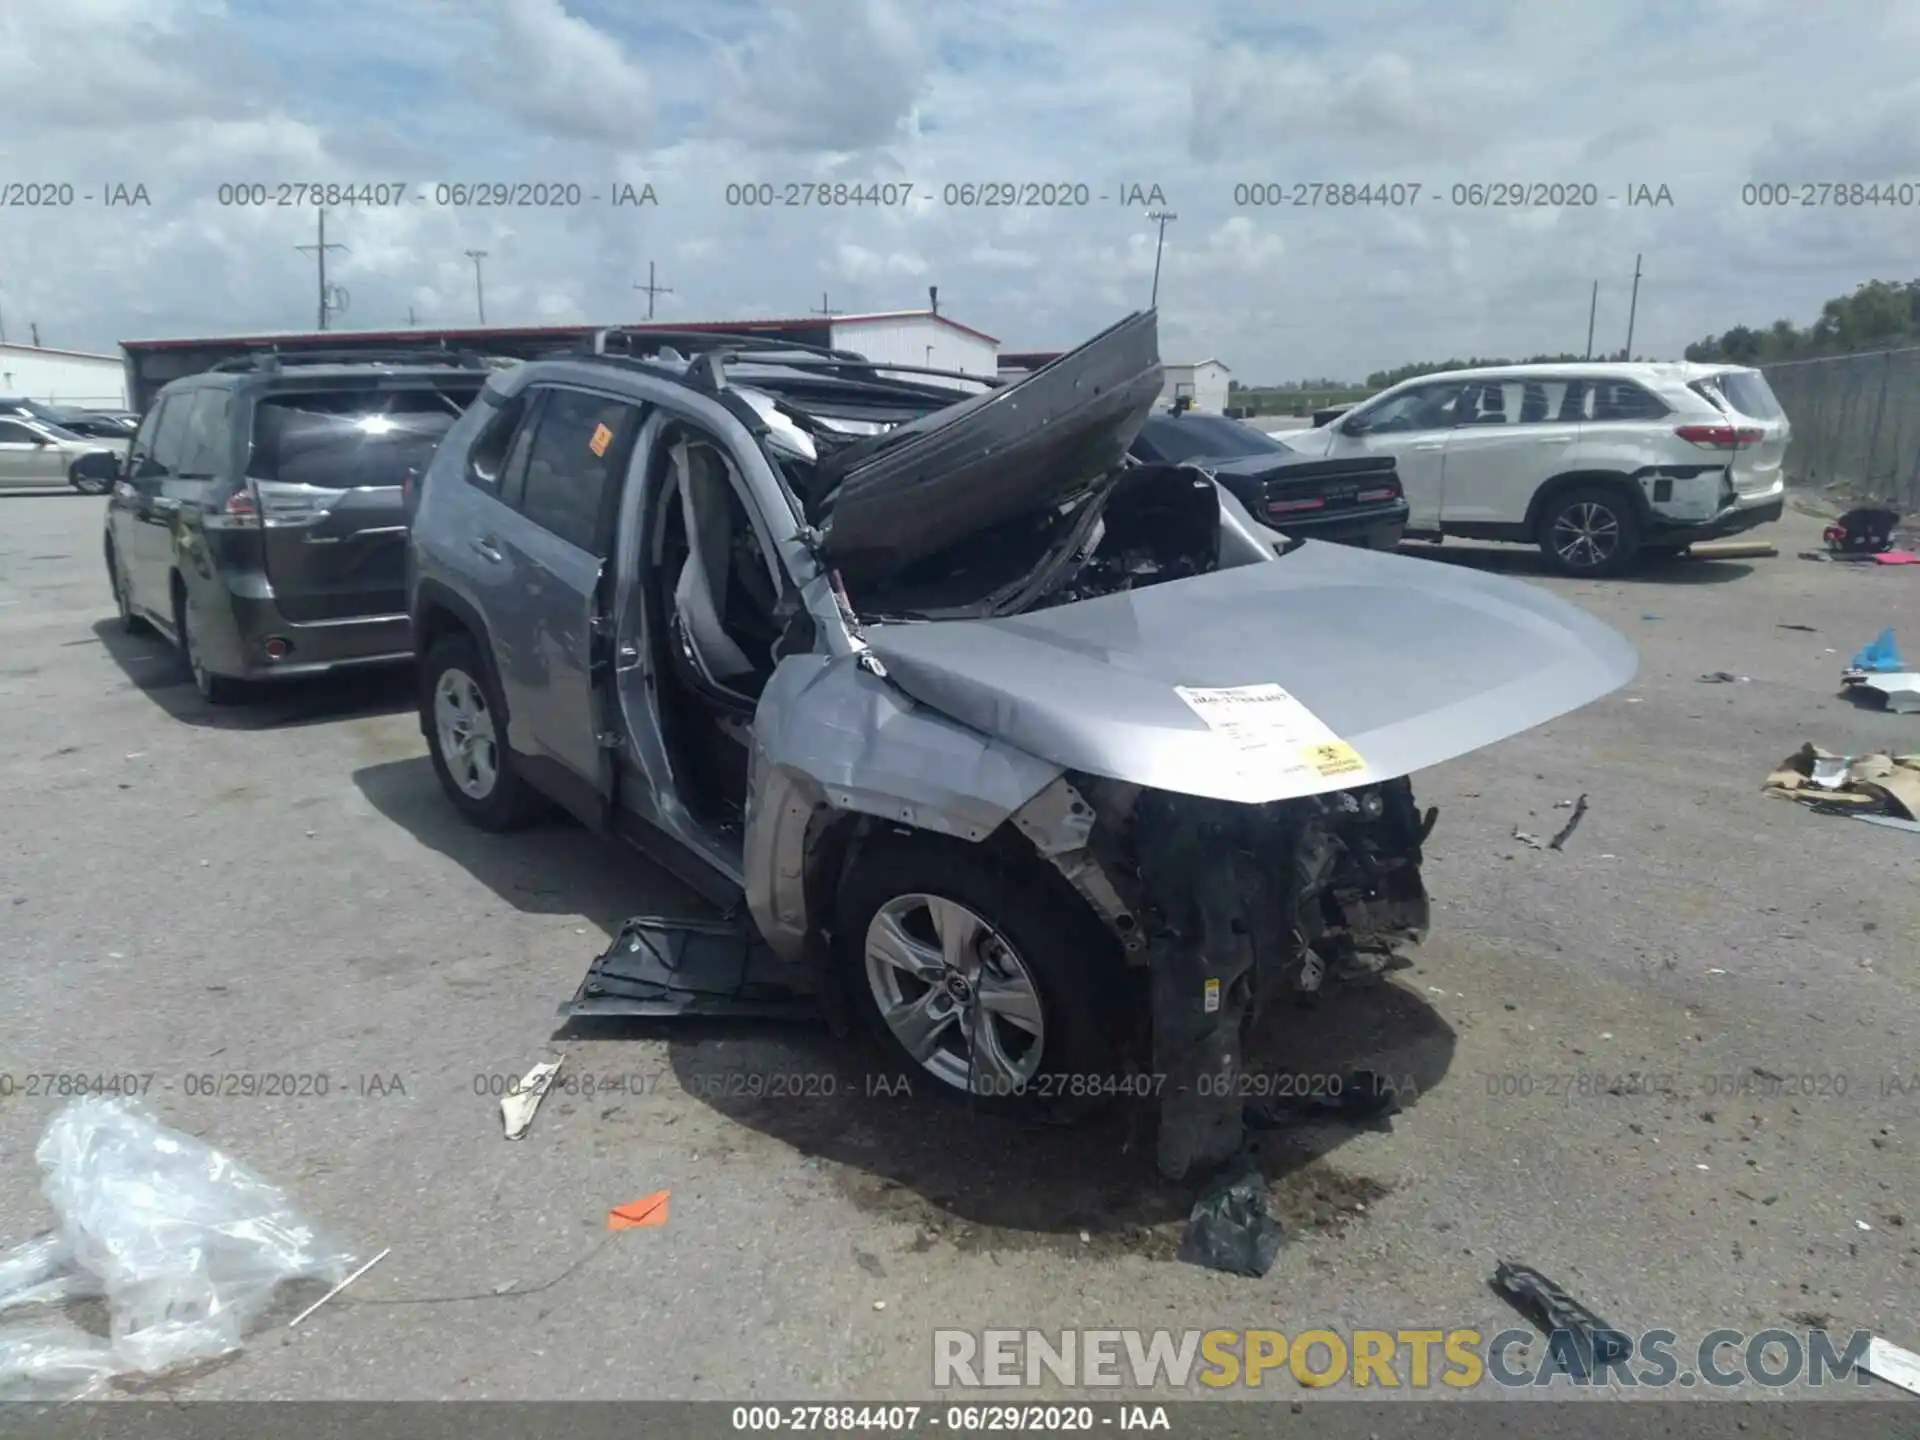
{"x":428,"y":334}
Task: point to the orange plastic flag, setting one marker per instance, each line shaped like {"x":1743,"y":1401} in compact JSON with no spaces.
{"x":648,"y":1210}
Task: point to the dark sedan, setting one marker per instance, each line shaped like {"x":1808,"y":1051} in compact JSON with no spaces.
{"x":1352,"y":501}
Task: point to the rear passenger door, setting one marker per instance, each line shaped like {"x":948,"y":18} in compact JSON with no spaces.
{"x":22,"y":457}
{"x":1513,"y":434}
{"x":560,"y":487}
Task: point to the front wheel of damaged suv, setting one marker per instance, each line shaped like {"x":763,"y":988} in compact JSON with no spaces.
{"x":1591,"y":530}
{"x":978,"y":976}
{"x":467,"y":738}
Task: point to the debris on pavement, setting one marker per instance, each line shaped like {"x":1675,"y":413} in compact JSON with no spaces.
{"x":1887,"y":1361}
{"x":1863,"y":531}
{"x":1231,"y":1228}
{"x":1362,"y":1095}
{"x":1877,"y":783}
{"x":338,"y":1288}
{"x":1892,"y":822}
{"x":646,"y":1213}
{"x":1731,"y":550}
{"x":1879,"y":656}
{"x":1723,"y":677}
{"x":519,"y":1103}
{"x":186,"y":1244}
{"x":1898,"y":692}
{"x":1895,"y":557}
{"x":1573,"y":823}
{"x":1809,"y":629}
{"x":1525,"y":839}
{"x":1558,"y":1314}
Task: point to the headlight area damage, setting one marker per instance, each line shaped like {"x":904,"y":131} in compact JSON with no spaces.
{"x":1229,"y":907}
{"x":1095,"y":766}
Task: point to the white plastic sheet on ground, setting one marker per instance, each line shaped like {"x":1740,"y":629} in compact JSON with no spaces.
{"x":186,"y":1244}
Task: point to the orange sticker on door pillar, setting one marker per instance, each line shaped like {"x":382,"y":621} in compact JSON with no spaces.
{"x":602,"y":437}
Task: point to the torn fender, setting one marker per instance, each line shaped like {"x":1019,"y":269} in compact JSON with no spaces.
{"x":831,"y":737}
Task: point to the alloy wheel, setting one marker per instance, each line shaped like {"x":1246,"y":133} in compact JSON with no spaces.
{"x":1586,"y":535}
{"x":464,"y":725}
{"x":956,"y":994}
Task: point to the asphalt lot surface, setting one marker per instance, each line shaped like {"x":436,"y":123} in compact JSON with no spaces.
{"x":282,"y":890}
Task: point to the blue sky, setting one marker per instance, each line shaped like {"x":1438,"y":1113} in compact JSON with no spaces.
{"x":692,"y":95}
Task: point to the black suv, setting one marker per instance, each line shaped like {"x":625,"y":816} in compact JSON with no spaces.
{"x":260,"y":520}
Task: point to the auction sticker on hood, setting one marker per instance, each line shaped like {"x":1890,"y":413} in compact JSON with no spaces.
{"x":1271,"y":728}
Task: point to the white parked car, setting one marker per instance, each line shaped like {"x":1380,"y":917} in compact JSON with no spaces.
{"x":1597,"y":464}
{"x":36,"y":453}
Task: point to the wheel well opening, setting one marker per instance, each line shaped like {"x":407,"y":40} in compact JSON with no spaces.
{"x":1549,"y":494}
{"x":437,"y":623}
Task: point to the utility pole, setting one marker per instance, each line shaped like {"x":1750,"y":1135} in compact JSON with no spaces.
{"x":33,"y":329}
{"x":320,"y":249}
{"x":1592,"y":306}
{"x":824,"y":308}
{"x":1632,"y":306}
{"x":652,"y":289}
{"x":1163,"y":216}
{"x":411,"y":320}
{"x":479,"y":290}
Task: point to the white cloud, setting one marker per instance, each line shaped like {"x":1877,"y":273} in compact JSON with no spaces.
{"x":691,"y":95}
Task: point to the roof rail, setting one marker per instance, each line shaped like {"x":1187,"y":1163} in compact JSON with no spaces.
{"x":280,"y":359}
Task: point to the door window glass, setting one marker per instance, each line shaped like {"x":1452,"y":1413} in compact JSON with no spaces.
{"x":577,"y":445}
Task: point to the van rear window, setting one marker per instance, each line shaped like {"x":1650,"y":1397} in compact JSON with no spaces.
{"x":340,"y":440}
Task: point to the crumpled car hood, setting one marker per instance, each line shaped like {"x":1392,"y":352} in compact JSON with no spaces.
{"x":889,"y":500}
{"x":1387,"y":664}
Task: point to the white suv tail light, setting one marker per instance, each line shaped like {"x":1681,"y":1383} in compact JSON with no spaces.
{"x":1721,"y":437}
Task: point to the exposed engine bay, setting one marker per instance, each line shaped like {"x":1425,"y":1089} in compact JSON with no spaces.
{"x":1233,"y":908}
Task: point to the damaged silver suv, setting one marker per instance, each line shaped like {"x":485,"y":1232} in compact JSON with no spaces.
{"x":1053,"y":765}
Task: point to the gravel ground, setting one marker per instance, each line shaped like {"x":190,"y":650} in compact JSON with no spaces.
{"x":282,"y":890}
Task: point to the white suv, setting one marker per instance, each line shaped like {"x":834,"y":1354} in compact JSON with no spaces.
{"x":1597,"y":464}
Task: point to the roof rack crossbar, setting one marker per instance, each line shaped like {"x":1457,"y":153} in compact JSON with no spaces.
{"x":637,"y":342}
{"x":275,"y":359}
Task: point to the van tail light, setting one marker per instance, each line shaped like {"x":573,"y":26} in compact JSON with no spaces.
{"x":1721,"y":437}
{"x":241,"y":512}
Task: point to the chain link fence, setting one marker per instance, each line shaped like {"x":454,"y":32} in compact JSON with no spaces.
{"x":1856,"y":423}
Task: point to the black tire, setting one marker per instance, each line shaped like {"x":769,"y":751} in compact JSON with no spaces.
{"x":1074,"y":965}
{"x":214,"y":689}
{"x":1590,"y":530}
{"x":130,"y":620}
{"x":509,"y":802}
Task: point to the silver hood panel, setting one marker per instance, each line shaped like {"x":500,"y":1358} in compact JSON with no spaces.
{"x":1407,"y":662}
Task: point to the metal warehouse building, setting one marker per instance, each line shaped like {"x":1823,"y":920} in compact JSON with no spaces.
{"x":900,"y":337}
{"x":63,"y":377}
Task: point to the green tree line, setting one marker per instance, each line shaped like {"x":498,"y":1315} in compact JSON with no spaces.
{"x":1878,"y":315}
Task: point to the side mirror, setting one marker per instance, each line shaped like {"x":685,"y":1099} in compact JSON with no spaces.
{"x":40,"y":442}
{"x":1355,"y":425}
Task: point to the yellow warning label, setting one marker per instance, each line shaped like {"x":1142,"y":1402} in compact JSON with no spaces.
{"x":602,"y":437}
{"x":1212,"y":996}
{"x":1333,"y":757}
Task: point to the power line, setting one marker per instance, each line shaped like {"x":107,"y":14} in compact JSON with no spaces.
{"x":319,"y":250}
{"x":479,"y":289}
{"x":651,"y":289}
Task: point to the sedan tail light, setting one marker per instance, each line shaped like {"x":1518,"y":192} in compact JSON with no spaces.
{"x":1721,"y":437}
{"x":1292,"y":507}
{"x":1372,"y":497}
